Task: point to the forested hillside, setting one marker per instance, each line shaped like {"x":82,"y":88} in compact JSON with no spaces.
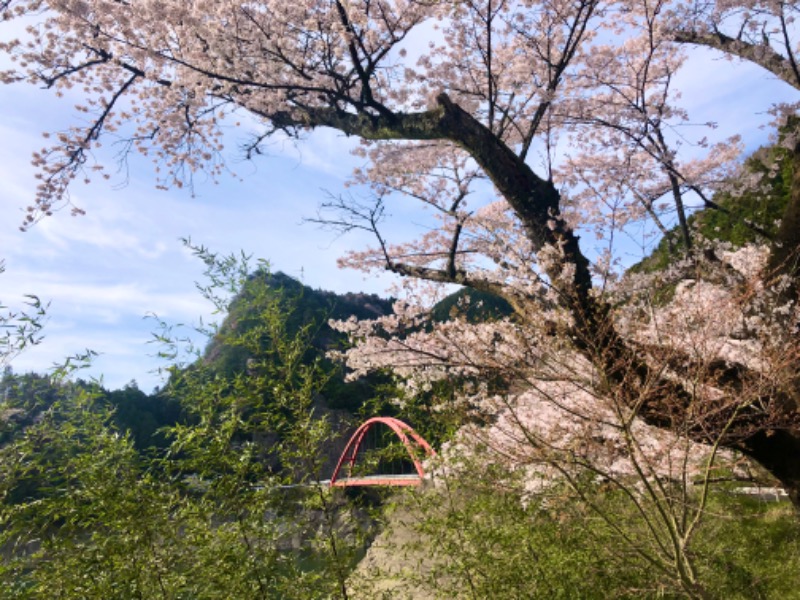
{"x":25,"y":396}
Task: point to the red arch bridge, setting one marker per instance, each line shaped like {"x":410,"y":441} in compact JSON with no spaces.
{"x":355,"y":469}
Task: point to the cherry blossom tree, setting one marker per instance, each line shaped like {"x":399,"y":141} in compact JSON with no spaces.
{"x":561,"y":112}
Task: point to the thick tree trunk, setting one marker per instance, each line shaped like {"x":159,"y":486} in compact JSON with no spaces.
{"x":770,"y":438}
{"x":662,"y":402}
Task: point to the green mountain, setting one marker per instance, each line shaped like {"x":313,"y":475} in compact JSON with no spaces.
{"x":308,"y":311}
{"x":747,"y":213}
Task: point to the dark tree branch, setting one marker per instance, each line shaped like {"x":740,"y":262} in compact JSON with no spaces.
{"x":788,"y":44}
{"x":759,"y":54}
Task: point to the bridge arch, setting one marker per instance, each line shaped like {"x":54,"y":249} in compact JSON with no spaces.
{"x":412,"y":441}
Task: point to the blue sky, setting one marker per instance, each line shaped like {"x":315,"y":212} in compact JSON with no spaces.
{"x":103,"y":272}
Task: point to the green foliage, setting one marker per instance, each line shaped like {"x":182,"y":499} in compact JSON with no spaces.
{"x":230,"y":506}
{"x":219,"y":514}
{"x":486,"y":538}
{"x":26,"y":396}
{"x":22,"y":399}
{"x":749,"y":549}
{"x":20,"y":328}
{"x":492,"y":545}
{"x":145,"y":417}
{"x":307,"y":311}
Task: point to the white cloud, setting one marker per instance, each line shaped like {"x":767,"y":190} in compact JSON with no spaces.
{"x":326,"y":151}
{"x":712,"y":91}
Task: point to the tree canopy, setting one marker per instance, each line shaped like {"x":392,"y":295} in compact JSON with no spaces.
{"x":448,"y":96}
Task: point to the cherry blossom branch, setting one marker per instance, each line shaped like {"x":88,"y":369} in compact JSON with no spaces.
{"x":59,"y":174}
{"x":556,"y":69}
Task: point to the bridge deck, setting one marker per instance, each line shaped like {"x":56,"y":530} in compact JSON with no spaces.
{"x":410,"y":479}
